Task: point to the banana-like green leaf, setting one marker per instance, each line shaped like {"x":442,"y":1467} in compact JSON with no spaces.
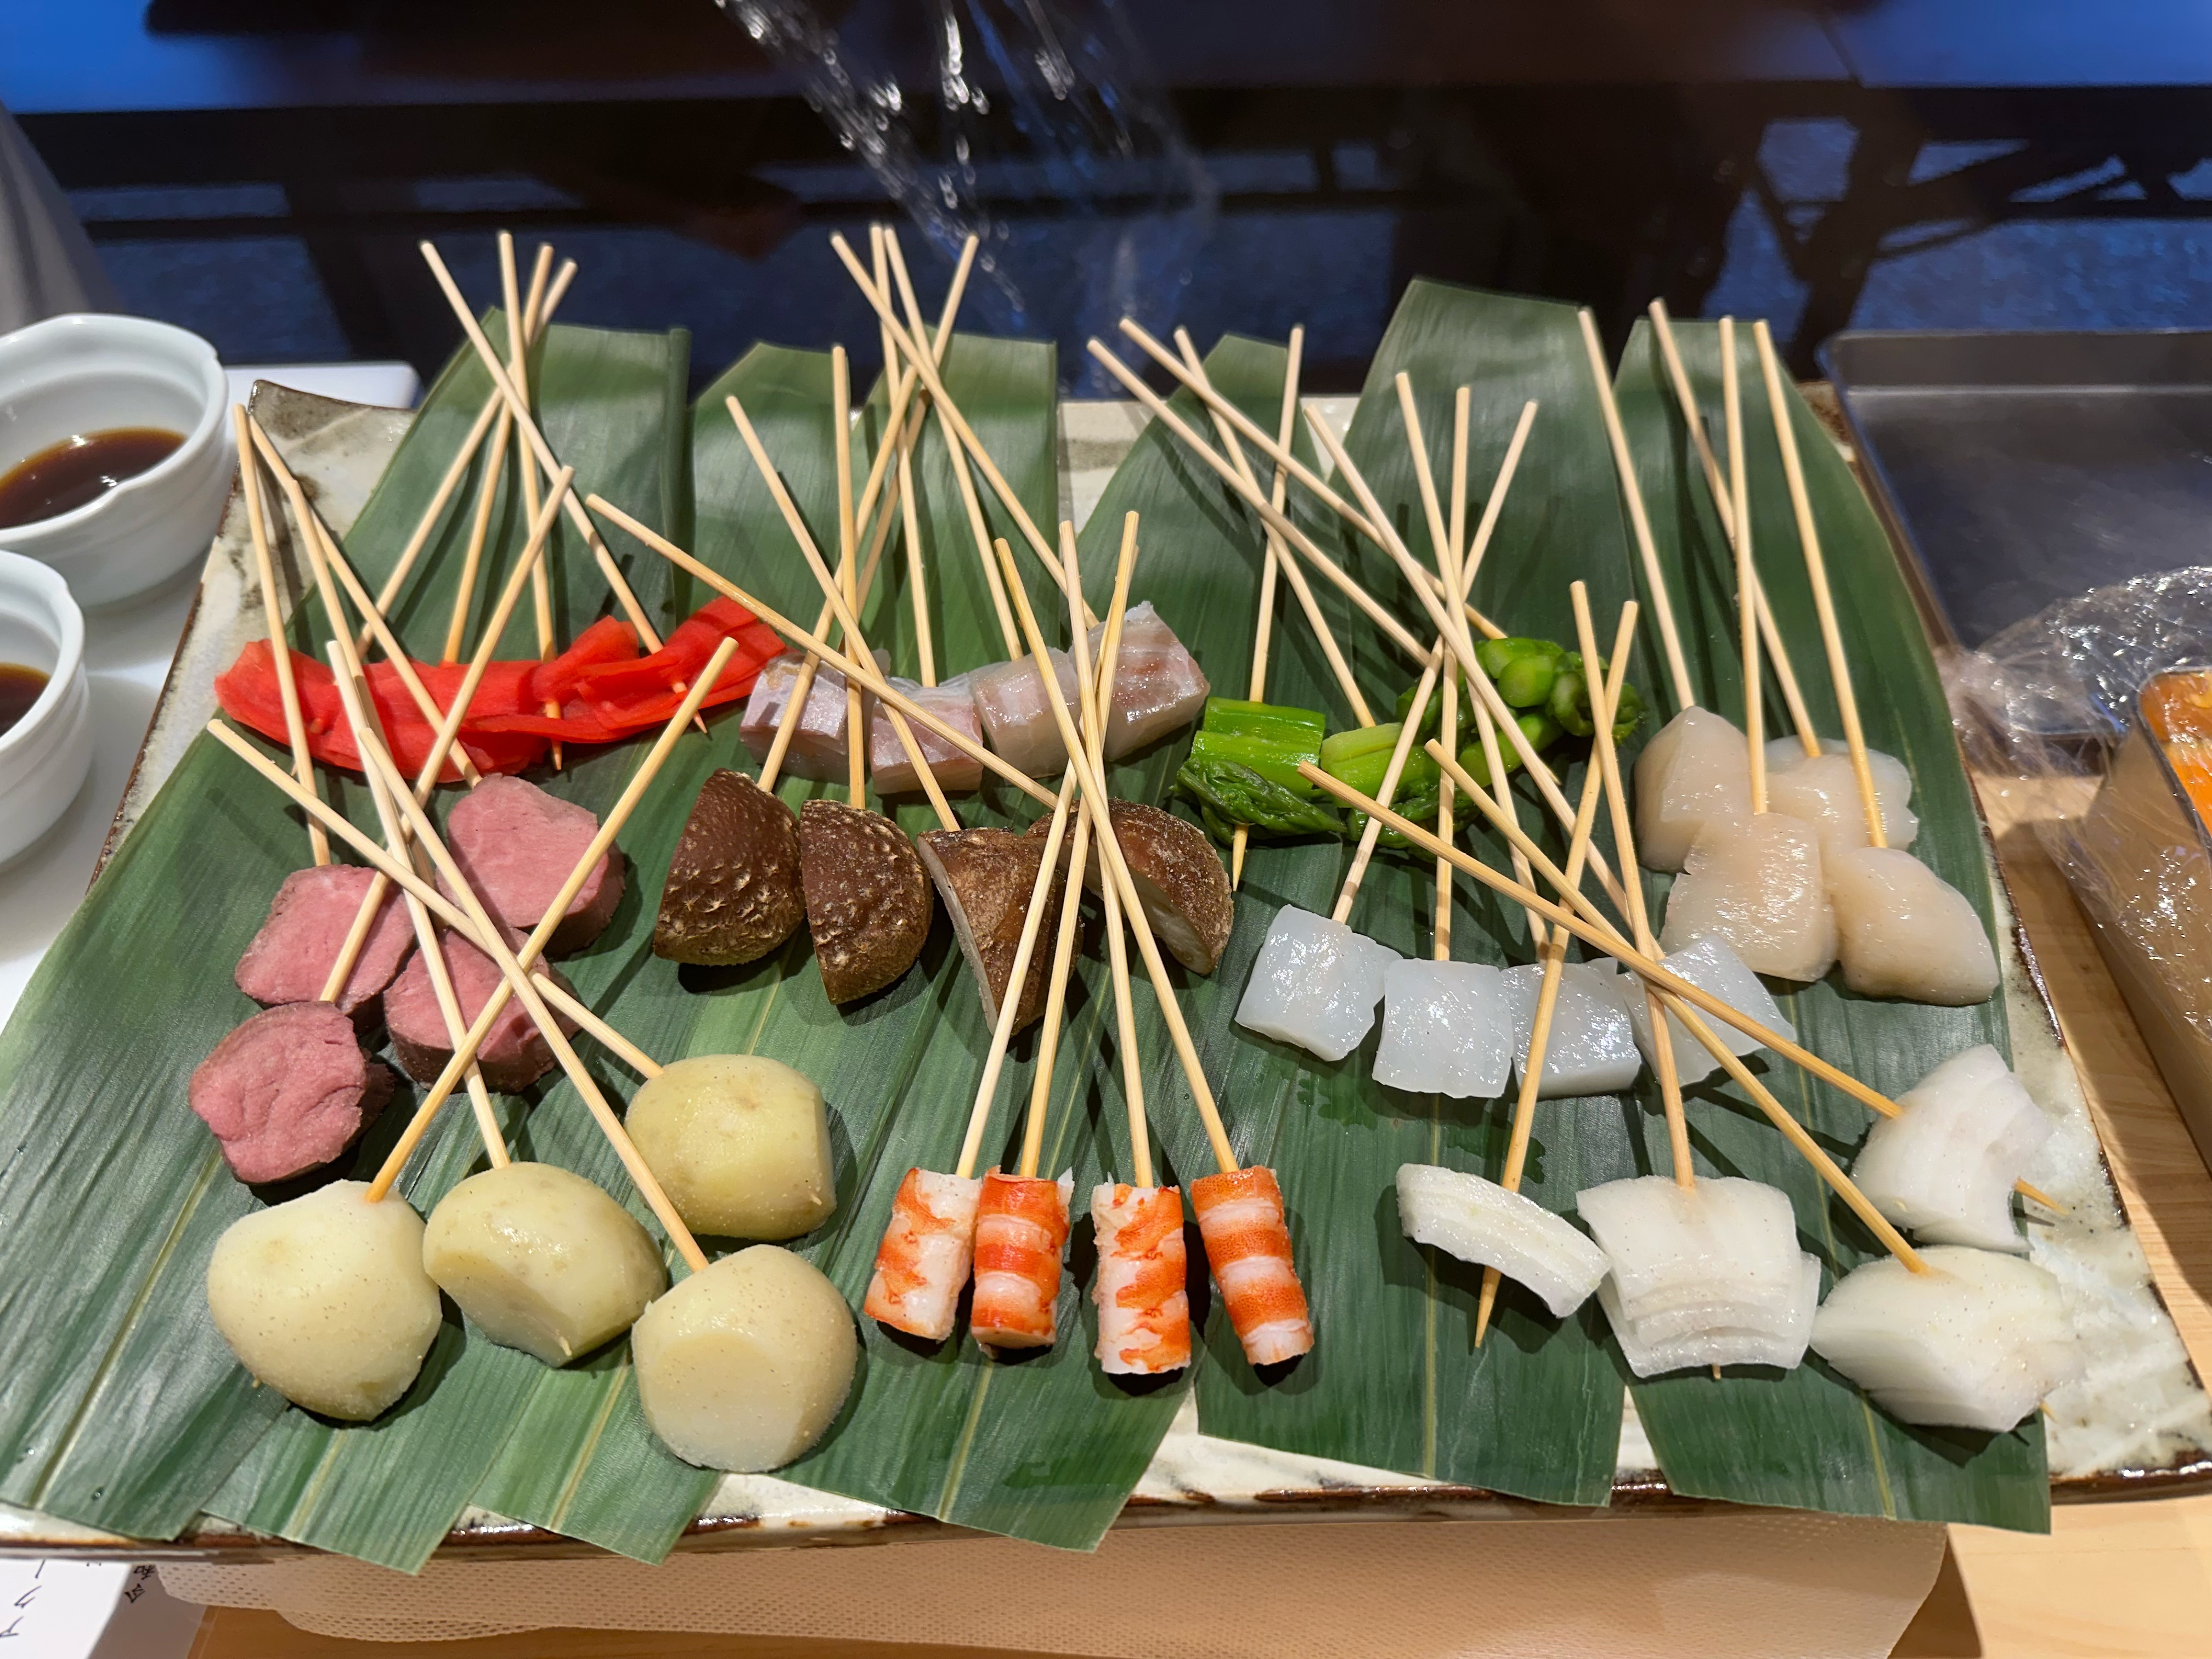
{"x":1809,"y":1439}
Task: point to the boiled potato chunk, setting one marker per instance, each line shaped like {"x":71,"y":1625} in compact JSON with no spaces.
{"x":541,"y":1260}
{"x":324,"y":1299}
{"x":742,"y":1366}
{"x":741,"y":1143}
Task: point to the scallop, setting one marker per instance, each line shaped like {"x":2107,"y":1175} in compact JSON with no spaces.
{"x":1696,"y":768}
{"x":1823,"y":790}
{"x":1904,"y":932}
{"x":1756,"y":884}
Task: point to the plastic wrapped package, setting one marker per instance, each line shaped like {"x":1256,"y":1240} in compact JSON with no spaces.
{"x":2101,"y":708}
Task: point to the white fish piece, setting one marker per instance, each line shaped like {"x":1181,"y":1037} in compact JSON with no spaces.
{"x":952,"y":702}
{"x":1591,"y":1049}
{"x":1697,"y":767}
{"x":817,"y":746}
{"x":1756,"y":882}
{"x":1018,"y":714}
{"x":1157,"y":683}
{"x":1760,"y":1341}
{"x":1314,"y":984}
{"x":1823,"y":790}
{"x":1710,"y":965}
{"x":1447,"y":1028}
{"x":1479,"y":1221}
{"x":1943,"y":1168}
{"x":1903,"y":931}
{"x":1725,"y":1241}
{"x":1976,"y":1344}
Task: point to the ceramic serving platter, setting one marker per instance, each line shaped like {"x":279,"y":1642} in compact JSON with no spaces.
{"x":2139,"y":1422}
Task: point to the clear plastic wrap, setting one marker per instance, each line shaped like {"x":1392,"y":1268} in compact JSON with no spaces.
{"x":2096,"y":715}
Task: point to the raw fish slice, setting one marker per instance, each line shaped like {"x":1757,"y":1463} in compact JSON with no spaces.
{"x":1247,"y":1246}
{"x":1479,"y":1221}
{"x":922,"y":1266}
{"x":1824,"y":791}
{"x":1976,"y":1344}
{"x":1694,"y":770}
{"x":1447,"y":1028}
{"x":1724,"y":1240}
{"x":1903,"y":931}
{"x":1591,"y":1049}
{"x":1756,"y":884}
{"x":1944,"y":1167}
{"x":817,"y":746}
{"x":1710,"y":964}
{"x":1018,"y":714}
{"x":1314,"y":984}
{"x":1157,"y":683}
{"x":1781,"y":1344}
{"x":1144,"y":1306}
{"x":892,"y":772}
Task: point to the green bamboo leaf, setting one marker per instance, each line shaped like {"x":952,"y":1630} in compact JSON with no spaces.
{"x":1809,"y":1439}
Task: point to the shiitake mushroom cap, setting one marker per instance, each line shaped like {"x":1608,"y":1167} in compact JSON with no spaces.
{"x":733,"y":892}
{"x":985,"y":877}
{"x":867,"y":897}
{"x":1179,"y":879}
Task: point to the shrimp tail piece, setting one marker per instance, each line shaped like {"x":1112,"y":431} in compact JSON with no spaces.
{"x":922,"y":1266}
{"x":1144,"y":1307}
{"x":1021,"y":1227}
{"x":1247,"y":1244}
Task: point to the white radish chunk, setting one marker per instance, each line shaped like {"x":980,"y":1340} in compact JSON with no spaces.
{"x":1944,"y":1167}
{"x":1695,"y":769}
{"x":1314,"y":984}
{"x":1711,"y":965}
{"x":1903,"y":931}
{"x":324,"y":1299}
{"x":1448,"y":1029}
{"x":1823,"y":790}
{"x":1975,"y":1343}
{"x":1756,"y":883}
{"x":1591,"y":1047}
{"x":1479,"y":1221}
{"x":743,"y":1365}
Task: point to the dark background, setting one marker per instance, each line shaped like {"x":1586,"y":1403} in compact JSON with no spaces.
{"x":259,"y":171}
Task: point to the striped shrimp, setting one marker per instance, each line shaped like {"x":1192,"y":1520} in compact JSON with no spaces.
{"x":922,"y":1266}
{"x":1144,"y":1311}
{"x":1247,"y":1244}
{"x":1021,"y":1227}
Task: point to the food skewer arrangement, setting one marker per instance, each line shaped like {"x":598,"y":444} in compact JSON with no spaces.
{"x":729,"y":1251}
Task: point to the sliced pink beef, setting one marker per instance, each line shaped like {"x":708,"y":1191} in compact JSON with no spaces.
{"x":516,"y":844}
{"x":308,"y":921}
{"x":515,"y":1054}
{"x":288,"y":1092}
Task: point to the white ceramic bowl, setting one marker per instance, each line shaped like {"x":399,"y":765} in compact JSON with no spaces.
{"x":87,"y":372}
{"x":44,"y":757}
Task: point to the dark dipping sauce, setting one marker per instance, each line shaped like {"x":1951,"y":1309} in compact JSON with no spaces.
{"x":19,"y":689}
{"x":64,"y":477}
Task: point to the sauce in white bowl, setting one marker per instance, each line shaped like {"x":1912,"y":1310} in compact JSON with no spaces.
{"x":47,"y":749}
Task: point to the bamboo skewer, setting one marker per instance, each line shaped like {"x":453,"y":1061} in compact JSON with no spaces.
{"x":1017,"y":977}
{"x":949,"y":413}
{"x":837,"y":660}
{"x":1274,"y":517}
{"x":360,"y":714}
{"x":1098,"y":701}
{"x":1055,"y":999}
{"x":1276,"y":560}
{"x":324,"y":558}
{"x":493,"y":405}
{"x":1547,"y":781}
{"x":1607,"y":758}
{"x":541,"y":583}
{"x":1441,"y":927}
{"x":640,"y":1174}
{"x":464,"y":595}
{"x":280,"y":651}
{"x":1555,"y":958}
{"x":1114,"y":868}
{"x":528,"y":427}
{"x":1683,"y":998}
{"x":1408,"y":730}
{"x":1746,"y":573}
{"x":1824,"y":600}
{"x":911,"y":521}
{"x":1322,"y":633}
{"x":1778,"y":652}
{"x":848,"y":575}
{"x":1624,"y":466}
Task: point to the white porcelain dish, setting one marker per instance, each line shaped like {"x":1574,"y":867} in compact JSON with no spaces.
{"x":89,"y":373}
{"x":45,"y":756}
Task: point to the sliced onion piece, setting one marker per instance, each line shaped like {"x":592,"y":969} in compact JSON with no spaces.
{"x":1479,"y":1221}
{"x":1762,"y":1341}
{"x":1945,"y":1166}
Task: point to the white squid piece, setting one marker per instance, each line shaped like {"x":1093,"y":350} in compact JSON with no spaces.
{"x":1591,"y":1047}
{"x":1696,"y":768}
{"x":1479,"y":1221}
{"x":1710,"y":964}
{"x":1448,"y":1029}
{"x":1314,"y":984}
{"x":1756,"y":884}
{"x":1944,"y":1167}
{"x":1903,"y":931}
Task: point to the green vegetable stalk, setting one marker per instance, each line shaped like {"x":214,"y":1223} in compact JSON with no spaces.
{"x":1243,"y":768}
